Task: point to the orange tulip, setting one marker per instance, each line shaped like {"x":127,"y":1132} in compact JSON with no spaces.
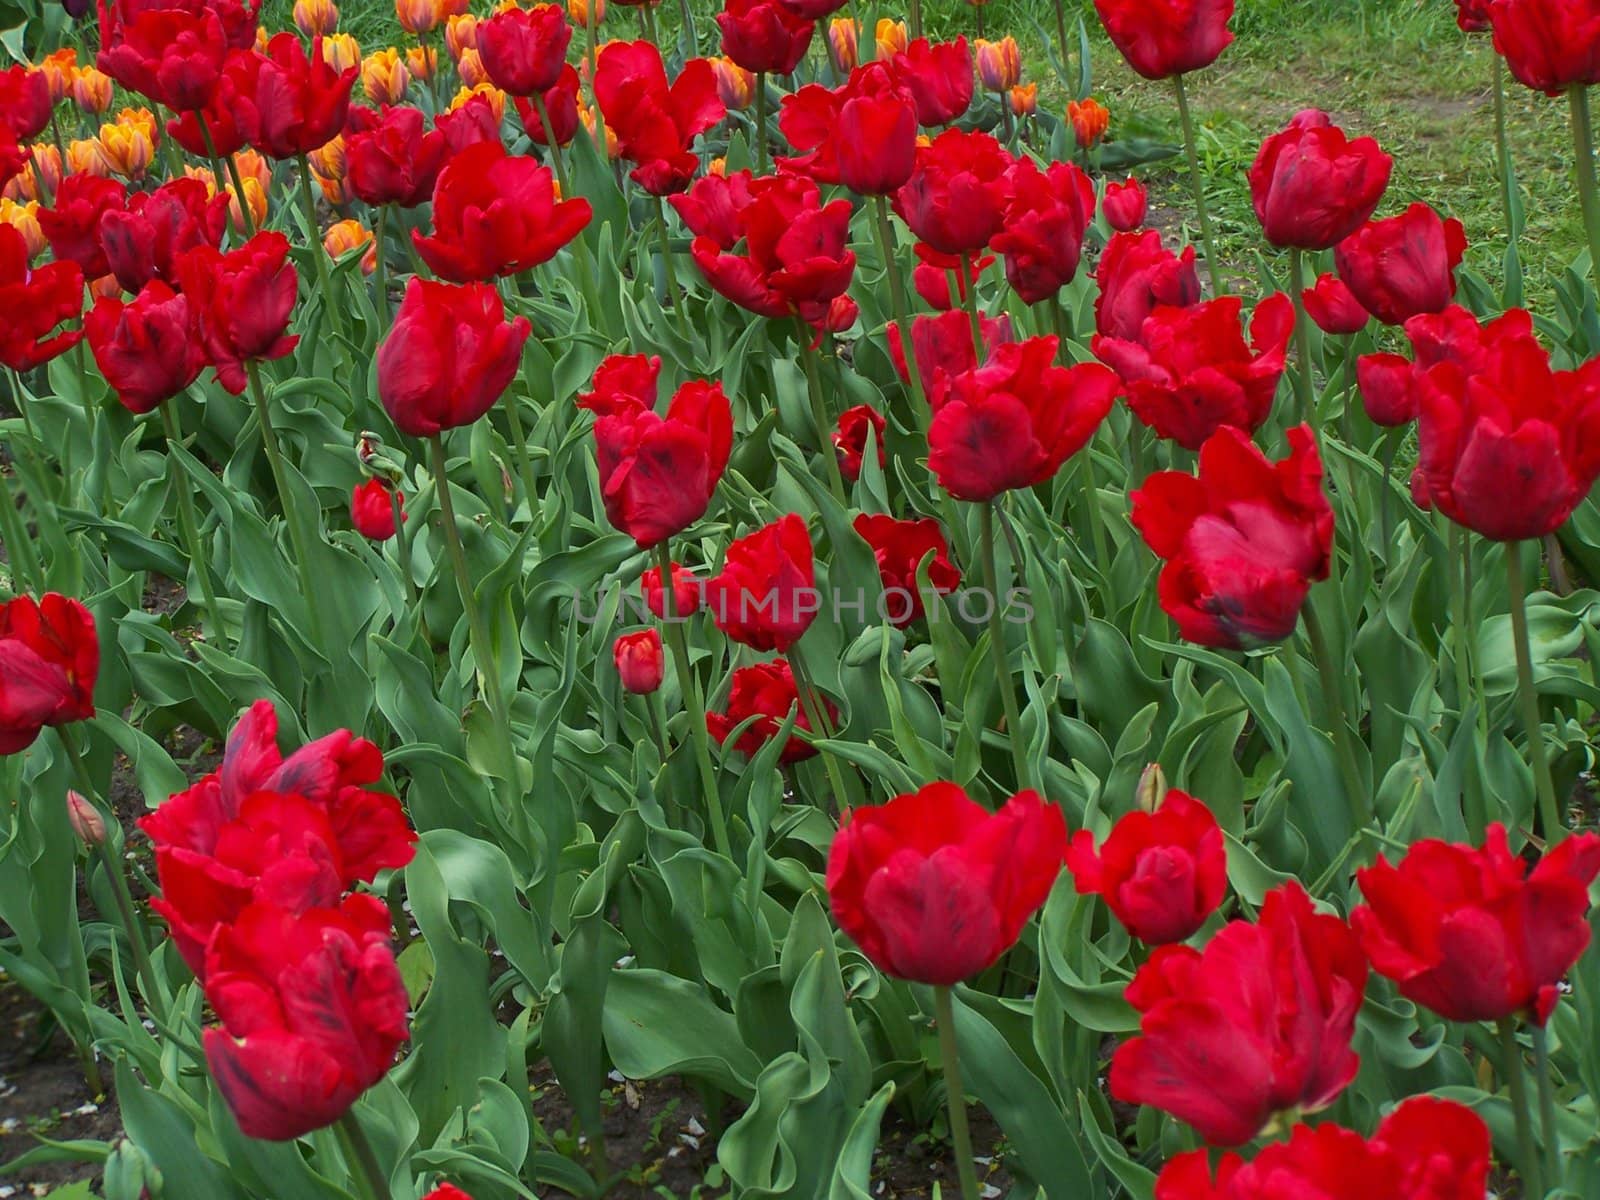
{"x":24,"y":218}
{"x":341,"y":51}
{"x":316,"y":17}
{"x":735,"y":85}
{"x":461,"y":34}
{"x":384,"y":77}
{"x":891,"y":37}
{"x":347,"y":235}
{"x":60,"y":71}
{"x":1024,"y":99}
{"x":416,"y":16}
{"x":1090,"y":120}
{"x":578,"y":12}
{"x":844,"y":35}
{"x":92,"y":90}
{"x":999,"y":64}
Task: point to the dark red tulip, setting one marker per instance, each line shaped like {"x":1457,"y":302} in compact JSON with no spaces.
{"x":34,"y":301}
{"x":1387,"y":386}
{"x":1402,"y":267}
{"x":712,"y":206}
{"x":1243,"y":542}
{"x":242,"y":301}
{"x":173,"y":56}
{"x":1472,"y":15}
{"x":623,"y":383}
{"x":447,"y":1192}
{"x":1135,"y":274}
{"x":1312,"y":187}
{"x":25,"y":103}
{"x":956,"y":197}
{"x":655,"y":123}
{"x":229,"y":117}
{"x":1334,"y":307}
{"x":766,"y":596}
{"x":1189,"y":373}
{"x":372,"y":510}
{"x":469,"y":124}
{"x":1042,"y":232}
{"x":687,"y":592}
{"x":13,"y":158}
{"x":560,"y":105}
{"x":395,"y":161}
{"x":299,"y":104}
{"x":900,"y":547}
{"x":448,"y":357}
{"x":1550,"y":45}
{"x":764,"y":35}
{"x":934,"y":888}
{"x":523,"y":50}
{"x":932,"y":275}
{"x":149,"y":349}
{"x":1167,"y":37}
{"x":766,"y":692}
{"x":1391,"y":385}
{"x":72,"y":223}
{"x":875,"y":140}
{"x":943,"y":346}
{"x":813,"y":10}
{"x":641,"y":662}
{"x":238,"y":18}
{"x":850,"y":439}
{"x":1125,"y":205}
{"x":143,"y":241}
{"x":49,"y":662}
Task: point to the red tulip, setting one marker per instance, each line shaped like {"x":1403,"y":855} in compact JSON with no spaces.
{"x":658,"y":474}
{"x":766,"y":692}
{"x":1189,"y":373}
{"x":1256,"y":1024}
{"x":933,"y":888}
{"x":1161,"y":873}
{"x":1426,"y":1149}
{"x":524,"y":50}
{"x":1403,"y":266}
{"x":229,"y":117}
{"x":863,"y":135}
{"x":395,"y":161}
{"x":173,"y":56}
{"x":1387,"y":386}
{"x":943,"y":346}
{"x":1043,"y":227}
{"x":72,"y":224}
{"x":1472,"y":16}
{"x":238,"y":18}
{"x":372,"y":510}
{"x":1243,"y":542}
{"x":143,"y":241}
{"x":1167,"y":37}
{"x":313,"y":1010}
{"x":766,"y":595}
{"x":656,"y":124}
{"x":560,"y":105}
{"x":939,"y":77}
{"x":242,"y":301}
{"x":298,"y":104}
{"x":712,"y":206}
{"x":1549,"y":45}
{"x":956,"y":197}
{"x":149,"y":349}
{"x":1125,"y":205}
{"x":764,"y":35}
{"x":1391,"y":384}
{"x":640,"y":661}
{"x":1334,"y":307}
{"x":622,"y":383}
{"x":496,"y":214}
{"x":1473,"y":934}
{"x":447,"y":1192}
{"x":900,"y":548}
{"x":813,"y":10}
{"x":448,"y":357}
{"x":1507,"y":446}
{"x":1136,"y":273}
{"x":687,"y":591}
{"x":34,"y":301}
{"x":931,"y":277}
{"x":1312,"y":187}
{"x":49,"y":662}
{"x":1014,"y":421}
{"x":477,"y":120}
{"x":850,"y":439}
{"x":25,"y":103}
{"x":13,"y":158}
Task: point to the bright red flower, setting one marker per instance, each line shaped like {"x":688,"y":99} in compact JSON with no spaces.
{"x":766,"y":595}
{"x":1472,"y":933}
{"x":956,"y":197}
{"x":1334,"y":307}
{"x":850,"y":439}
{"x":242,"y":301}
{"x":766,"y":692}
{"x":932,"y":274}
{"x":933,"y":888}
{"x":49,"y":662}
{"x":1391,"y":385}
{"x":33,"y":304}
{"x":1550,"y":45}
{"x":943,"y":346}
{"x":1189,"y":373}
{"x":1125,"y":205}
{"x":143,"y":241}
{"x":173,"y":56}
{"x":524,"y":50}
{"x":656,"y":124}
{"x":1160,"y":38}
{"x":813,"y":10}
{"x":1507,"y":446}
{"x":764,"y":35}
{"x":298,"y":104}
{"x":13,"y":158}
{"x":1042,"y":232}
{"x":72,"y":224}
{"x":25,"y":103}
{"x":939,"y":77}
{"x":448,"y":357}
{"x":560,"y":104}
{"x":313,"y":1010}
{"x":900,"y":548}
{"x":1014,"y":421}
{"x":149,"y":349}
{"x":658,"y":474}
{"x":1161,"y":873}
{"x":447,"y":1191}
{"x":1312,"y":187}
{"x":395,"y":161}
{"x":640,"y":661}
{"x":713,"y":203}
{"x":1137,"y":273}
{"x":496,"y":214}
{"x":1243,"y":542}
{"x":238,"y":18}
{"x":1256,"y":1024}
{"x":687,"y":591}
{"x":469,"y":124}
{"x":372,"y":510}
{"x":229,"y":116}
{"x":872,"y":150}
{"x":1404,"y":266}
{"x":622,"y":383}
{"x":1472,"y":16}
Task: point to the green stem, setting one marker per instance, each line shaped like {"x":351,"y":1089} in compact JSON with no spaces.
{"x":902,"y":312}
{"x":586,"y":273}
{"x":431,"y":61}
{"x":324,"y":279}
{"x":1533,"y":725}
{"x":1347,"y":399}
{"x":916,"y":19}
{"x":245,"y":215}
{"x":380,"y":283}
{"x":1549,"y":1130}
{"x":1191,"y":149}
{"x":1588,"y":193}
{"x":1511,"y":1066}
{"x":188,"y":525}
{"x":1332,"y":694}
{"x":819,"y":414}
{"x":360,"y":1148}
{"x":291,"y":510}
{"x":557,"y":161}
{"x":761,"y":122}
{"x":689,"y":685}
{"x":1305,"y":391}
{"x":1460,"y":547}
{"x":815,"y":708}
{"x":519,"y":437}
{"x":997,"y":647}
{"x":949,"y":1053}
{"x":21,"y":553}
{"x":658,"y":719}
{"x":1502,"y":141}
{"x":1061,"y":30}
{"x":973,"y":315}
{"x":402,"y":547}
{"x":674,"y":297}
{"x":1097,"y":525}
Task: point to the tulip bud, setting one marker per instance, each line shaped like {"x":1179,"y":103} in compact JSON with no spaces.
{"x":470,"y":67}
{"x":256,"y":197}
{"x":128,"y":145}
{"x":24,"y":218}
{"x":1090,"y":119}
{"x":85,"y":820}
{"x":347,"y":235}
{"x":1152,"y":788}
{"x":60,"y":71}
{"x":735,"y":85}
{"x":375,"y":458}
{"x":891,"y":37}
{"x":416,"y":16}
{"x":640,"y":661}
{"x":372,"y":510}
{"x":384,"y":77}
{"x":316,"y":18}
{"x":578,"y":12}
{"x":420,"y":61}
{"x":327,"y":160}
{"x":717,"y":166}
{"x":85,"y":156}
{"x":496,"y":98}
{"x":129,"y":1175}
{"x":92,"y":91}
{"x":461,"y":35}
{"x":341,"y":51}
{"x":1024,"y":99}
{"x":999,"y":64}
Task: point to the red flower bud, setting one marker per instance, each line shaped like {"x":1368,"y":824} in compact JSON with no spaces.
{"x":640,"y":661}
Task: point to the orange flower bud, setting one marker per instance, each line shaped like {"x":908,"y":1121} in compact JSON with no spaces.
{"x":256,"y":197}
{"x":420,"y":61}
{"x":578,"y":12}
{"x":999,"y":64}
{"x":717,"y":166}
{"x":262,"y":38}
{"x":735,"y":85}
{"x":92,"y":90}
{"x":844,"y":35}
{"x":60,"y":71}
{"x":470,"y":68}
{"x":24,"y":218}
{"x":1024,"y":99}
{"x":341,"y":51}
{"x":586,"y":115}
{"x":497,"y":98}
{"x":127,"y":146}
{"x":85,"y":820}
{"x":316,"y":17}
{"x":253,"y":166}
{"x":416,"y":16}
{"x":461,"y":34}
{"x":891,"y":37}
{"x":1090,"y":120}
{"x":384,"y":77}
{"x":85,"y":156}
{"x":347,"y":235}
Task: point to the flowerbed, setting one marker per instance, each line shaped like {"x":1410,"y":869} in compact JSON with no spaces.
{"x":760,"y":577}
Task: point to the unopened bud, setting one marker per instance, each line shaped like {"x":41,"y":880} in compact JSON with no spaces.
{"x":1152,"y":789}
{"x":375,"y":458}
{"x":86,"y":820}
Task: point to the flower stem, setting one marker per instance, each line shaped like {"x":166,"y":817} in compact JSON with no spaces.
{"x":819,"y":415}
{"x":970,"y":287}
{"x":761,"y":122}
{"x":1549,"y":1131}
{"x":1533,"y":725}
{"x":21,"y":554}
{"x":358,"y":1147}
{"x":402,"y":547}
{"x":1588,"y":192}
{"x":1503,"y":146}
{"x":916,"y":19}
{"x":318,"y":255}
{"x":1305,"y":392}
{"x":188,"y":525}
{"x":674,"y":297}
{"x":1192,"y":150}
{"x":816,"y":711}
{"x":1459,"y":598}
{"x":380,"y":283}
{"x":1330,"y":676}
{"x":689,"y":685}
{"x":997,"y":647}
{"x":960,"y":1137}
{"x":902,"y":312}
{"x":1511,"y":1066}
